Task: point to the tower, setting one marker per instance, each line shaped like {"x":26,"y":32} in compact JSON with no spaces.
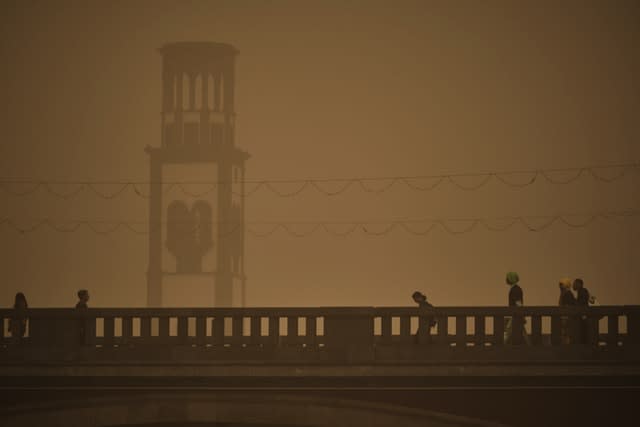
{"x":196,"y":240}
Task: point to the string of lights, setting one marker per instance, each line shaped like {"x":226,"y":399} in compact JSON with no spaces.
{"x":263,"y":229}
{"x":323,"y":186}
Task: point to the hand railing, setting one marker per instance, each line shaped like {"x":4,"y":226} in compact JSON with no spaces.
{"x":354,"y":333}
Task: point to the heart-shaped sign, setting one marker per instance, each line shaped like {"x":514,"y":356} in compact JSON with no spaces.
{"x":189,"y":234}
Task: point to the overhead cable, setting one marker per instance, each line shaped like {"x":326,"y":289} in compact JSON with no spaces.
{"x":261,"y":229}
{"x":325,"y":186}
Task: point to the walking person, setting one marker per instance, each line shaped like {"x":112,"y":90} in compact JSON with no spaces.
{"x":18,"y":320}
{"x":425,"y":324}
{"x":82,"y":307}
{"x":582,"y":294}
{"x":516,"y":299}
{"x":566,"y":300}
{"x":582,"y":300}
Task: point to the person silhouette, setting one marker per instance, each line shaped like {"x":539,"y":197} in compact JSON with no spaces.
{"x":566,"y":296}
{"x":425,"y":324}
{"x":82,"y":307}
{"x":515,"y":299}
{"x":582,"y":294}
{"x":566,"y":299}
{"x":83,"y":297}
{"x":18,"y":320}
{"x":582,"y":300}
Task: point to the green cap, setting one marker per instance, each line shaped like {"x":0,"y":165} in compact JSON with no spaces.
{"x":512,"y":278}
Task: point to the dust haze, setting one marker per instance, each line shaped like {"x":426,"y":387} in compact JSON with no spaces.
{"x":335,"y":89}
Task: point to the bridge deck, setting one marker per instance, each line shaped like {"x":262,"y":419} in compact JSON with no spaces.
{"x":466,"y":365}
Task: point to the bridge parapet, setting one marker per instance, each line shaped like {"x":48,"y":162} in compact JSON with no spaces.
{"x":325,"y":334}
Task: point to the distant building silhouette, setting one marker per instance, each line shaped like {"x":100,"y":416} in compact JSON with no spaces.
{"x":198,"y":123}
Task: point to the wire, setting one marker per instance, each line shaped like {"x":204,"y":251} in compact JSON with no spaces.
{"x":421,"y":227}
{"x":482,"y":183}
{"x":377,"y":185}
{"x":548,"y":177}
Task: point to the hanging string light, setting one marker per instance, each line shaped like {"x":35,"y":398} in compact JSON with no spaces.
{"x":323,"y":186}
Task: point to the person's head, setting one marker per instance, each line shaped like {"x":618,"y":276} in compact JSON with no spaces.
{"x":83,"y":295}
{"x":512,"y":278}
{"x":20,"y":301}
{"x":578,"y":284}
{"x":419,"y":297}
{"x":565,"y":284}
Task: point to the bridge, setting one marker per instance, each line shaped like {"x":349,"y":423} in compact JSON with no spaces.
{"x":326,"y":366}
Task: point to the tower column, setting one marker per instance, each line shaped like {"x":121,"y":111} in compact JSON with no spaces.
{"x":179,"y":126}
{"x":154,"y":271}
{"x":192,"y":91}
{"x":205,"y":137}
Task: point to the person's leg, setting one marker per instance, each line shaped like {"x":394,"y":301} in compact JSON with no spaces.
{"x":508,"y":330}
{"x":525,"y":335}
{"x":564,"y":330}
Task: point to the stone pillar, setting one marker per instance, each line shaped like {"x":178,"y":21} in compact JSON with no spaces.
{"x":349,"y":334}
{"x":154,"y":269}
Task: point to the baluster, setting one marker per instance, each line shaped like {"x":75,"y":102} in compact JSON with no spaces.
{"x":498,"y":330}
{"x":127,"y":329}
{"x":574,"y":329}
{"x":386,"y":329}
{"x":479,"y":326}
{"x":461,"y":331}
{"x":556,"y":327}
{"x":633,"y":327}
{"x":311,"y":331}
{"x":236,"y":330}
{"x":145,"y":329}
{"x":217,"y":331}
{"x":405,"y":329}
{"x":517,"y":329}
{"x":163,"y":328}
{"x":109,"y":328}
{"x":256,"y":330}
{"x":536,"y":329}
{"x":4,"y":334}
{"x":201,"y":330}
{"x":183,"y":329}
{"x":443,"y":329}
{"x":593,"y":322}
{"x":612,"y":330}
{"x":292,"y":330}
{"x":274,"y":330}
{"x":90,"y":331}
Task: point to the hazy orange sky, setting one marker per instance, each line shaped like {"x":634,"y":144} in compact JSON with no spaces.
{"x":335,"y":89}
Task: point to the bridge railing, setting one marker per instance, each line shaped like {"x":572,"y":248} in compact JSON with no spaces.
{"x":219,"y":327}
{"x":324,"y":333}
{"x":489,"y":326}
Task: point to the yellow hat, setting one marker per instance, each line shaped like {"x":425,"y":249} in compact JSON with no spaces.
{"x":565,"y":282}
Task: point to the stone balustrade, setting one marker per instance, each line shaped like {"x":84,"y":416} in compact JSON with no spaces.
{"x":325,"y":334}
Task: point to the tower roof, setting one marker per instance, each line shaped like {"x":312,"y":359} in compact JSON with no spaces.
{"x":198,"y":48}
